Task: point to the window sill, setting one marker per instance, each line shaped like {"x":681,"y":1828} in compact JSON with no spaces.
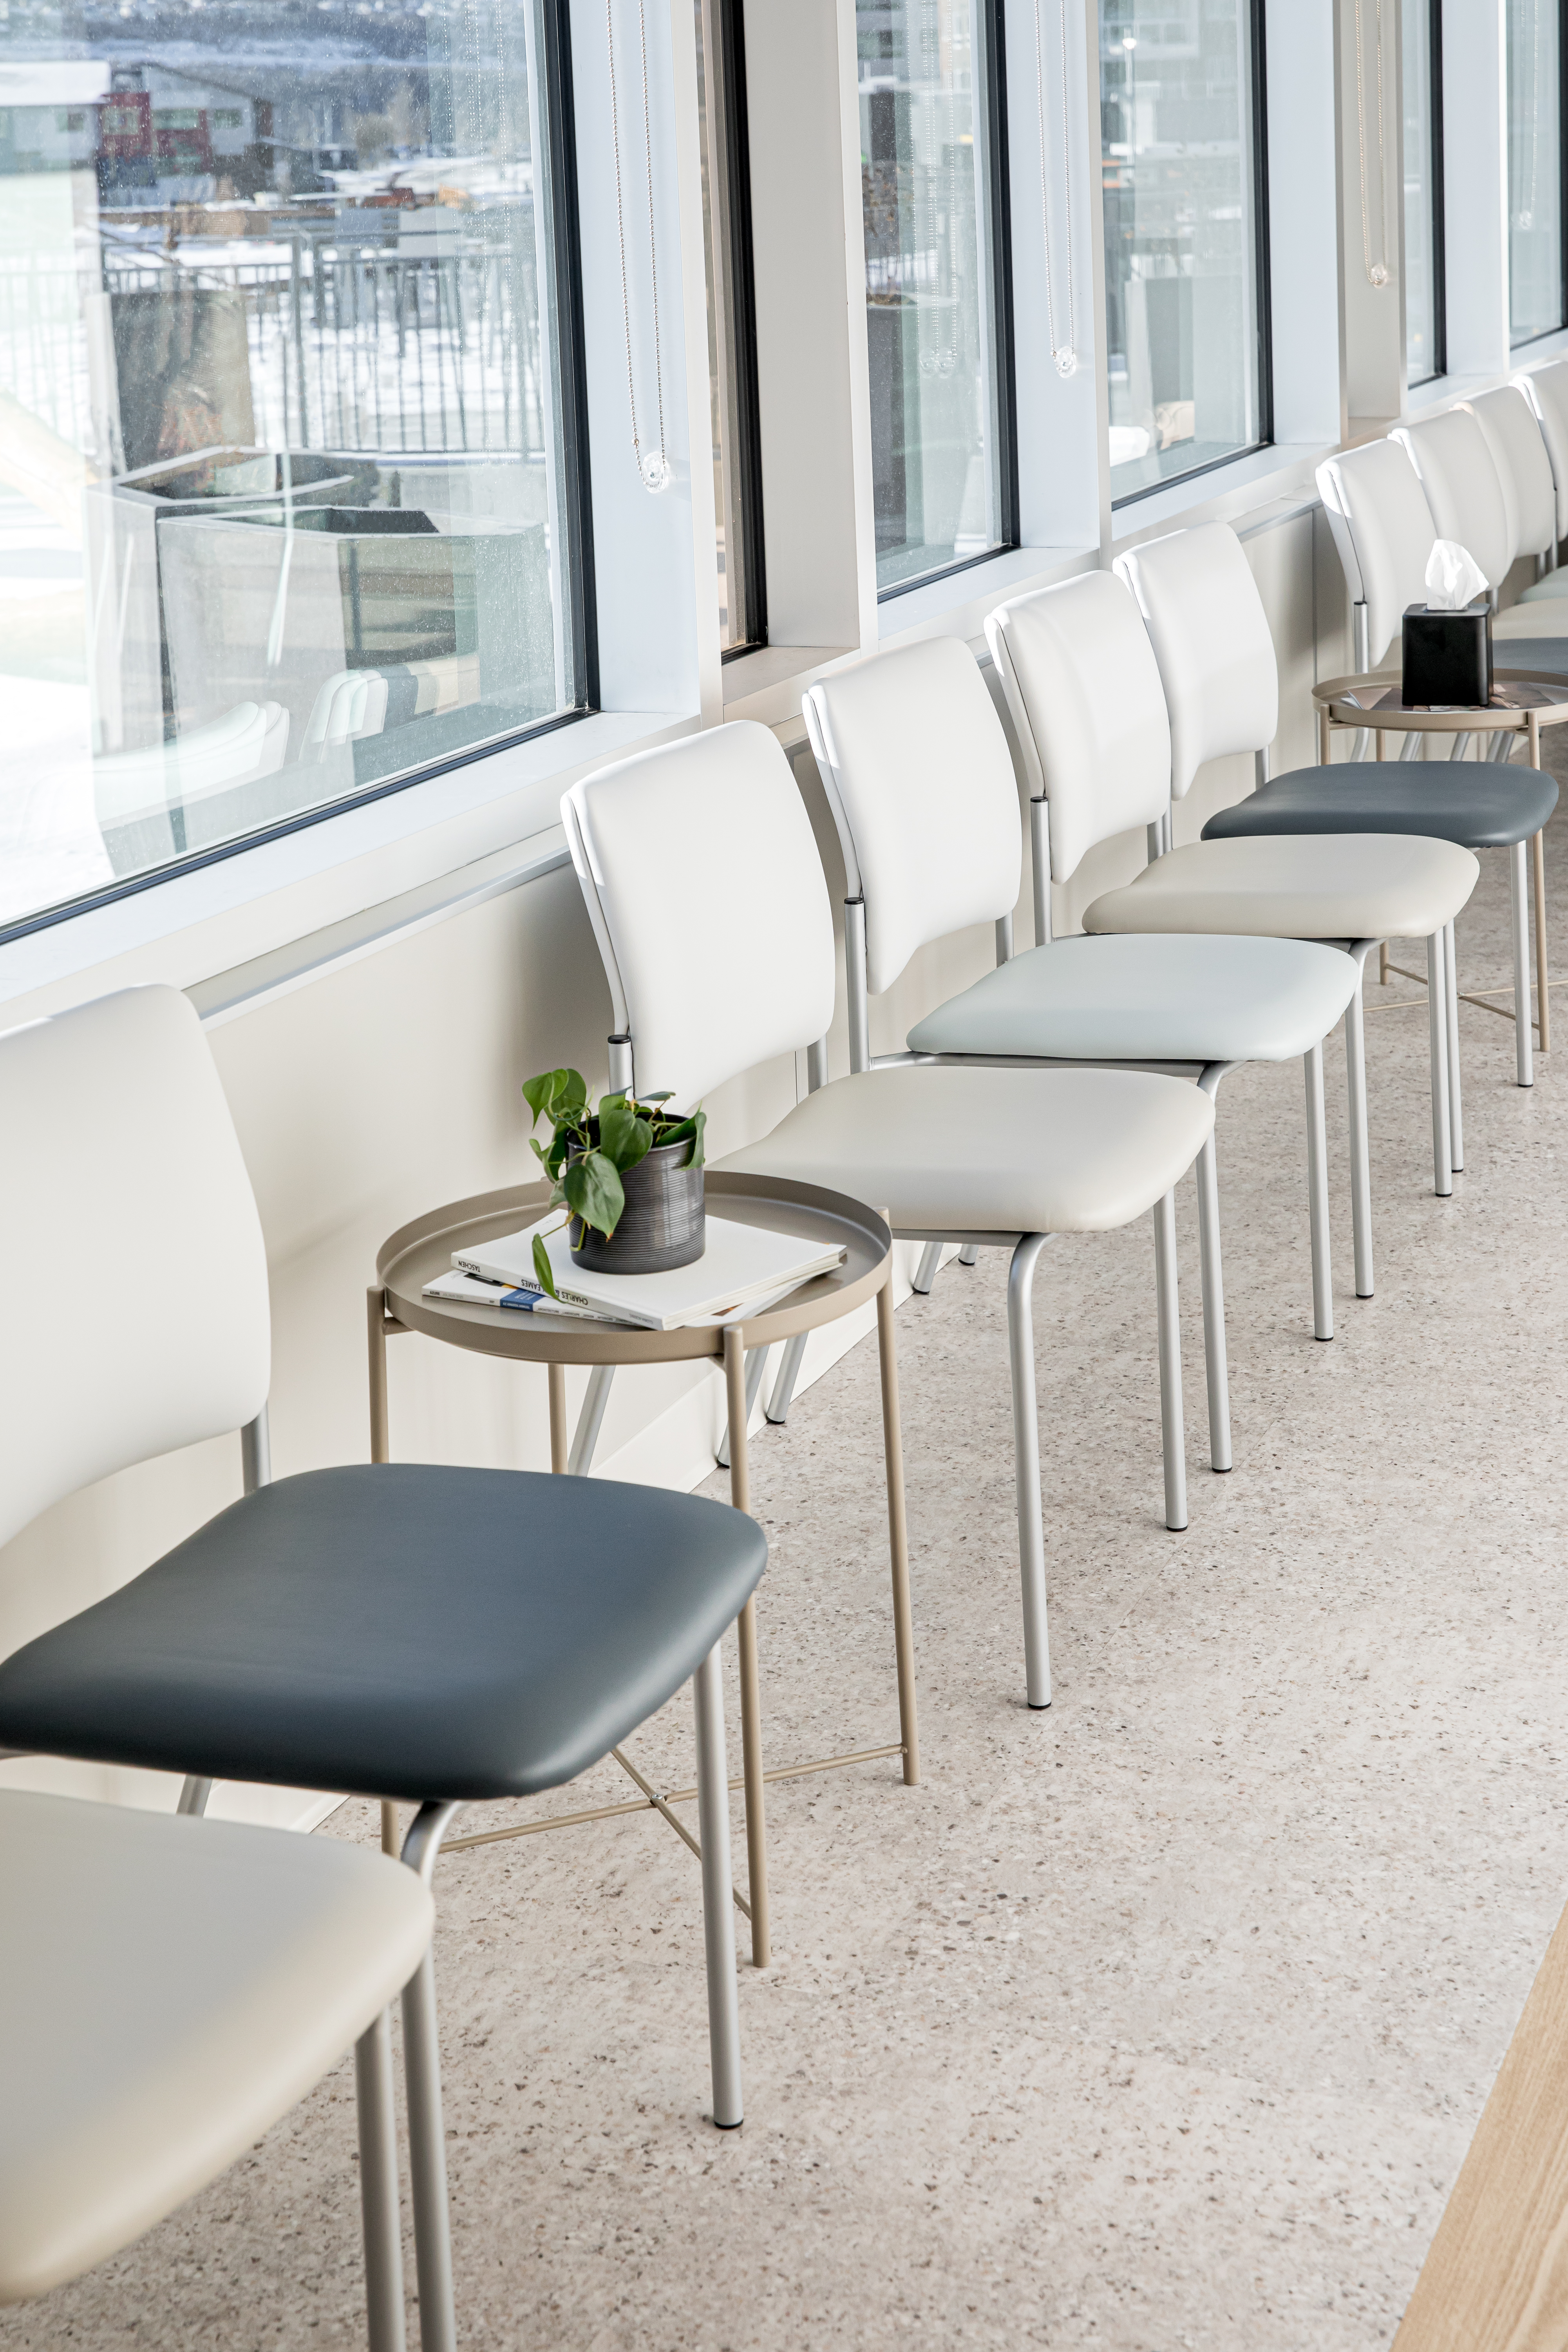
{"x":458,"y":829}
{"x":957,"y":605}
{"x":767,"y":686}
{"x":1224,"y":495}
{"x":1553,"y":345}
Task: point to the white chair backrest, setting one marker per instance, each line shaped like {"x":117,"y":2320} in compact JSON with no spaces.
{"x":1525,"y":469}
{"x":1211,"y":638}
{"x":916,"y":767}
{"x":1464,"y":495}
{"x":709,"y":905}
{"x":1382,"y":531}
{"x":132,"y":1262}
{"x":1083,"y":687}
{"x":1546,"y":389}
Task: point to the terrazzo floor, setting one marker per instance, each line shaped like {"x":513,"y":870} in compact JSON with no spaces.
{"x":1159,"y":2020}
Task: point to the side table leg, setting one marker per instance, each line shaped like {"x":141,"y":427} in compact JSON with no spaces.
{"x":897,"y":1538}
{"x":375,"y":1334}
{"x":746,"y":1631}
{"x":556,"y":1375}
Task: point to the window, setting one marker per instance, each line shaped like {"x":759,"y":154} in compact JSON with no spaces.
{"x":732,"y":324}
{"x":285,"y":514}
{"x":1187,"y":310}
{"x":1535,"y":290}
{"x":1422,"y":36}
{"x":937,"y":313}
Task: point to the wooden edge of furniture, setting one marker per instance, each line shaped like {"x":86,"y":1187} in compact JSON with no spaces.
{"x":1495,"y":2276}
{"x":540,"y":1338}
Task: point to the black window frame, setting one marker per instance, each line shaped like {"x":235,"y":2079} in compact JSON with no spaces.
{"x":743,"y":319}
{"x":1258,"y":80}
{"x":1439,"y":228}
{"x":999,"y":196}
{"x":1525,"y":341}
{"x":558,"y":97}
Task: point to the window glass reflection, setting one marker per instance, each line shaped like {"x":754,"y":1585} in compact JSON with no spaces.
{"x":281,"y":503}
{"x":930,"y":284}
{"x":1535,"y":304}
{"x":1181,"y":236}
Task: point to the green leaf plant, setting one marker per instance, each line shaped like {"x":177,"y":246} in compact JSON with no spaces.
{"x":590,"y":1151}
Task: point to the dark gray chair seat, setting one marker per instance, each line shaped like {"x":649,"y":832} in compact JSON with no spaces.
{"x":1475,"y":803}
{"x":396,"y":1630}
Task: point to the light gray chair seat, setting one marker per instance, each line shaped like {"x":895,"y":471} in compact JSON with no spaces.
{"x":169,"y":1987}
{"x":1155,"y":997}
{"x":1318,"y":886}
{"x":1541,"y":617}
{"x":1054,"y":1152}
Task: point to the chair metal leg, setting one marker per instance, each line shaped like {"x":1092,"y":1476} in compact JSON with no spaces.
{"x":255,"y":1453}
{"x":756,"y":1364}
{"x":718,"y":1911}
{"x":589,"y":1421}
{"x":750,"y":1680}
{"x":387,"y":2327}
{"x":1172,"y":1432}
{"x":1519,"y":912}
{"x":1215,"y":1364}
{"x":1461,"y":744}
{"x":194,"y":1795}
{"x":925,"y":1272}
{"x":897,"y":1536}
{"x":1027,"y":1466}
{"x":778,"y":1404}
{"x":970,"y":1253}
{"x":1361,"y":1158}
{"x":1437,"y":1024}
{"x":1455,"y":1112}
{"x":1318,"y":1196}
{"x":1543,"y":996}
{"x":426,"y":2133}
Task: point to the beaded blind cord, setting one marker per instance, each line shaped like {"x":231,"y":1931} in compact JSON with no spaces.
{"x":1376,"y":271}
{"x":654,"y":466}
{"x":1066,"y":355}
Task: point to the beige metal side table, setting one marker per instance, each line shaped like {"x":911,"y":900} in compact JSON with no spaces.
{"x":1521,"y":705}
{"x":420,"y":1252}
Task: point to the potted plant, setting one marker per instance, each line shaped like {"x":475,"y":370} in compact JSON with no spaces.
{"x":629,"y":1175}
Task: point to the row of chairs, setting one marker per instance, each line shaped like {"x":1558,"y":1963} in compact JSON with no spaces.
{"x":406,"y":1632}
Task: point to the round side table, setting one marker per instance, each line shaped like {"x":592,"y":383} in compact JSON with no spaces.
{"x":1521,"y":705}
{"x":418,"y":1253}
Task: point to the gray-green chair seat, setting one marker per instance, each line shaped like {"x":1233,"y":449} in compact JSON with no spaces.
{"x":1475,"y":803}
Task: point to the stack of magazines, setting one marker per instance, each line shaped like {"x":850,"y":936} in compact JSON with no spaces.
{"x":743,"y":1266}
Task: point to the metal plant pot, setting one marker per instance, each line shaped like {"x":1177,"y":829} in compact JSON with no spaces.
{"x":662,"y":1224}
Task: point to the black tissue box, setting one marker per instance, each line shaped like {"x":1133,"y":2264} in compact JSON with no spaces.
{"x":1449,"y":656}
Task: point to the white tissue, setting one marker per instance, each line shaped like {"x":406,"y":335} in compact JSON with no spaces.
{"x":1454,"y":578}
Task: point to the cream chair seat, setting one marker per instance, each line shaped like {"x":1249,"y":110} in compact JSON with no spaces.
{"x":1054,"y":1152}
{"x":1311,"y":886}
{"x":169,"y":1987}
{"x":1191,"y":998}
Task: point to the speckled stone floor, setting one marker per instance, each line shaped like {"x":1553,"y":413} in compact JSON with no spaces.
{"x":1160,"y":2020}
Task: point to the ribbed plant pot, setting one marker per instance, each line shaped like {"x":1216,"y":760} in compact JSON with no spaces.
{"x":662,"y":1224}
